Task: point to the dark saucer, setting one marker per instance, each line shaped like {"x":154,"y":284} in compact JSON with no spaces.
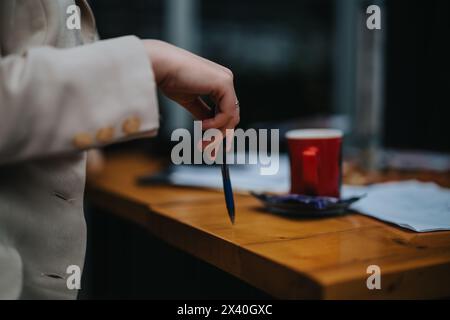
{"x":303,"y":205}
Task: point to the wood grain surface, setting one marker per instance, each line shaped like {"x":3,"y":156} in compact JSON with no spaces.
{"x":292,"y":258}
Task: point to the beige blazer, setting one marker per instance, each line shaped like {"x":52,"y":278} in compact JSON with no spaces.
{"x":59,"y":95}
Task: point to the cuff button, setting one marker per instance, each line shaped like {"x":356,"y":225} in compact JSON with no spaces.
{"x":105,"y":135}
{"x":82,"y":140}
{"x":131,"y":125}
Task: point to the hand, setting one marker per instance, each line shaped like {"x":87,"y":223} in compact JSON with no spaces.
{"x":185,"y":77}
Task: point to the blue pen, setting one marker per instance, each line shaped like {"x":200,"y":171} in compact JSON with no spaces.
{"x":229,"y":199}
{"x":227,"y":189}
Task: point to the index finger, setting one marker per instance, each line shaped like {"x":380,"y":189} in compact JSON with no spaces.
{"x":226,"y":101}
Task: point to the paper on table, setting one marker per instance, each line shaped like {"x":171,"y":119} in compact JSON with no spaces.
{"x":243,"y":177}
{"x":413,"y":205}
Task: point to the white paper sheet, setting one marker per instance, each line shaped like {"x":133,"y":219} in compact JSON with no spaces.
{"x":414,"y":205}
{"x":243,"y":177}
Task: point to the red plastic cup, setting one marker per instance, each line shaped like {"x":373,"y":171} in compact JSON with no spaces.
{"x":316,"y":161}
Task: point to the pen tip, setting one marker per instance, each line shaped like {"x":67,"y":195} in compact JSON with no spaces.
{"x":232,"y":219}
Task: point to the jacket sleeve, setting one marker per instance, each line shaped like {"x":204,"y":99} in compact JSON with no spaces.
{"x":56,"y":101}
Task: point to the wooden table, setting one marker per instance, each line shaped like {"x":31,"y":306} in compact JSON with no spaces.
{"x":288,"y":258}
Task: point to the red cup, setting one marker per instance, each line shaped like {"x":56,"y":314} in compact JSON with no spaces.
{"x":316,"y":161}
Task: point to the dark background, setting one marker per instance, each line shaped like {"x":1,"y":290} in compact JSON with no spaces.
{"x":283,"y":55}
{"x":418,"y":75}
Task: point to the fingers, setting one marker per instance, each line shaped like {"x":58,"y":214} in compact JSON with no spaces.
{"x":227,"y":115}
{"x":220,"y":121}
{"x":198,"y":108}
